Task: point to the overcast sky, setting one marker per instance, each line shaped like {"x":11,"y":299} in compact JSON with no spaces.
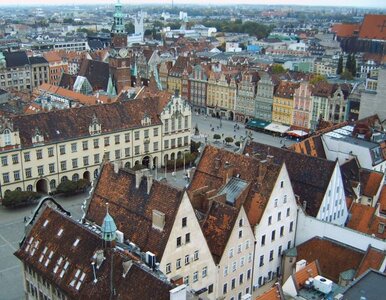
{"x":360,"y":3}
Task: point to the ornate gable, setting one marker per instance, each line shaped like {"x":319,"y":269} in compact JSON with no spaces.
{"x":95,"y":126}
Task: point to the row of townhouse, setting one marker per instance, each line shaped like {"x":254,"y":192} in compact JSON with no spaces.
{"x":39,"y":151}
{"x":244,"y":94}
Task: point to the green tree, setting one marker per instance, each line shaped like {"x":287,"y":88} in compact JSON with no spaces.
{"x":129,"y":27}
{"x":346,"y":75}
{"x":353,"y":66}
{"x":229,"y":139}
{"x":277,"y":69}
{"x":19,"y":198}
{"x":340,"y":65}
{"x":348,"y":62}
{"x":318,"y":78}
{"x":216,"y":137}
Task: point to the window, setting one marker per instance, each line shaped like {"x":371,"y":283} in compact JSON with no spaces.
{"x":63,"y":165}
{"x":116,"y":139}
{"x":231,"y":253}
{"x":15,"y":159}
{"x":50,"y":151}
{"x":281,"y":230}
{"x":146,"y":133}
{"x":62,"y":149}
{"x":225,"y":288}
{"x":261,"y":260}
{"x":239,"y":248}
{"x":279,"y":216}
{"x":269,"y":220}
{"x":5,"y":177}
{"x":136,"y":150}
{"x":27,"y":156}
{"x":74,"y":163}
{"x":85,"y":145}
{"x":210,"y":289}
{"x":117,"y":154}
{"x":233,"y":285}
{"x":249,"y":272}
{"x":51,"y":168}
{"x":195,"y":276}
{"x":234,"y":266}
{"x":273,"y":235}
{"x":279,"y":251}
{"x":242,"y":259}
{"x":28,"y":173}
{"x":136,"y":135}
{"x":4,"y":161}
{"x":285,"y":199}
{"x":127,"y":152}
{"x":106,"y":141}
{"x":73,"y":147}
{"x":186,"y":122}
{"x":168,"y":268}
{"x":96,"y":143}
{"x":289,"y":245}
{"x":127,"y":137}
{"x":225,"y":271}
{"x":178,"y":263}
{"x":107,"y":155}
{"x":187,"y":261}
{"x":288,"y":211}
{"x":155,"y":146}
{"x":155,"y":131}
{"x":241,"y":278}
{"x":40,"y":170}
{"x":276,"y":202}
{"x":196,"y":256}
{"x":282,"y":184}
{"x":271,"y":255}
{"x":186,"y":280}
{"x":96,"y":159}
{"x":184,"y":222}
{"x":240,"y":233}
{"x":179,"y":242}
{"x":291,"y":226}
{"x":16,"y":175}
{"x":263,"y":240}
{"x":187,"y":238}
{"x":85,"y":161}
{"x":247,"y":244}
{"x":166,"y":144}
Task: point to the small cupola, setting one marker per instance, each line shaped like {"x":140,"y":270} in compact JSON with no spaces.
{"x":108,"y":227}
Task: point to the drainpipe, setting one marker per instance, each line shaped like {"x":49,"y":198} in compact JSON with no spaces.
{"x":253,"y":265}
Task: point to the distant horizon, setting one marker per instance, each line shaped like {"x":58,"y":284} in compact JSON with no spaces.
{"x":373,"y":4}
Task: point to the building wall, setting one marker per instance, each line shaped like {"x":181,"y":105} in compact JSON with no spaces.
{"x":319,"y":108}
{"x":237,"y":261}
{"x":56,"y":70}
{"x":191,"y":259}
{"x":245,"y":99}
{"x":282,"y":110}
{"x":282,"y":201}
{"x":302,"y":105}
{"x":40,"y":74}
{"x":18,"y":78}
{"x":264,"y":99}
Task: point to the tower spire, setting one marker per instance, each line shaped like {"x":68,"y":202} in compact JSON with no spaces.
{"x":108,"y":227}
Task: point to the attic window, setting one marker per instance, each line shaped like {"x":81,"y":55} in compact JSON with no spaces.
{"x":29,"y":243}
{"x":78,"y":279}
{"x":45,"y":223}
{"x":381,"y":227}
{"x":76,"y":243}
{"x":64,"y":269}
{"x":34,"y":248}
{"x":49,"y":258}
{"x":58,"y":263}
{"x":43,"y":254}
{"x":60,"y":232}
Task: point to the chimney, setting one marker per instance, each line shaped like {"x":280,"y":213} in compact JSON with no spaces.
{"x":217,"y":163}
{"x":138,"y":178}
{"x":269,"y":159}
{"x":262,"y":171}
{"x":116,"y":167}
{"x":228,"y":172}
{"x":99,"y":258}
{"x":149,"y":181}
{"x":304,"y":205}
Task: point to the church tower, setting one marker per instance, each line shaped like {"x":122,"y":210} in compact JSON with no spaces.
{"x":119,"y":56}
{"x":108,"y":229}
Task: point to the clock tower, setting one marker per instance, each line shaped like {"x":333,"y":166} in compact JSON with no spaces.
{"x":119,"y":56}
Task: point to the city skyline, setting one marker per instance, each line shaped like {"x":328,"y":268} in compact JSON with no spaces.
{"x":344,"y":3}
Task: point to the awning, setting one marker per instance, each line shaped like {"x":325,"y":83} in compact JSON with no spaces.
{"x":257,"y":123}
{"x":297,"y":133}
{"x":277,"y":128}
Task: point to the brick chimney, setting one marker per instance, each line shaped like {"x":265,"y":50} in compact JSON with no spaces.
{"x":229,"y":169}
{"x":217,"y":163}
{"x":262,"y":171}
{"x":138,"y":178}
{"x":149,"y":182}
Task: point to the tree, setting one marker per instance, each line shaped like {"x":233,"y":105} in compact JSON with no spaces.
{"x":318,"y":78}
{"x":340,"y":65}
{"x":277,"y":69}
{"x":216,"y":137}
{"x":348,"y":62}
{"x":353,"y":66}
{"x":346,"y":75}
{"x":229,"y":139}
{"x":129,"y":27}
{"x":19,"y":198}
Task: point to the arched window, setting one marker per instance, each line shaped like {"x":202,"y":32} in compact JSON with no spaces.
{"x":29,"y":188}
{"x":96,"y":172}
{"x":52,"y":184}
{"x":18,"y":189}
{"x":75,"y":177}
{"x":64,"y":178}
{"x":7,"y":137}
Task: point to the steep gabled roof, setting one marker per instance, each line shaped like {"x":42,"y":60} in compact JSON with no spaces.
{"x":310,"y":176}
{"x":55,"y":125}
{"x":132,"y":207}
{"x":16,"y":59}
{"x":373,"y":27}
{"x":371,"y":181}
{"x":286,"y":89}
{"x":350,"y":175}
{"x":372,"y":259}
{"x":61,"y":250}
{"x":217,"y":227}
{"x":344,"y":30}
{"x":310,"y":270}
{"x":275,"y":293}
{"x":312,"y":146}
{"x":96,"y":72}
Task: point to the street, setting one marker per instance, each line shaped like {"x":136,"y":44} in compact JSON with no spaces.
{"x":12,"y":220}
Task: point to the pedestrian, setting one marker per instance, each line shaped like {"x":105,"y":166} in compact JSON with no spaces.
{"x":25,"y":219}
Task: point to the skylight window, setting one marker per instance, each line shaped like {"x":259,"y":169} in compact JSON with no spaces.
{"x":60,"y":232}
{"x":76,"y":242}
{"x":49,"y":258}
{"x":58,"y":263}
{"x":45,"y":223}
{"x":64,"y":269}
{"x":43,"y":254}
{"x":34,"y":248}
{"x":29,"y":243}
{"x":78,"y":279}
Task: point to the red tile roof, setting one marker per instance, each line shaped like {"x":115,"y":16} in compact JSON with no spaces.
{"x":364,"y":219}
{"x":50,"y":249}
{"x":333,"y":257}
{"x":310,"y":270}
{"x":132,"y":207}
{"x":373,"y":259}
{"x":286,"y":89}
{"x":373,"y":27}
{"x":382,"y":200}
{"x":371,"y":181}
{"x":275,"y":293}
{"x":345,"y":30}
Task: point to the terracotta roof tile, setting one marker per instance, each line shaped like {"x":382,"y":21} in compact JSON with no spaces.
{"x":343,"y":30}
{"x":371,"y":181}
{"x":54,"y":125}
{"x":132,"y":207}
{"x":286,"y":89}
{"x":52,"y":56}
{"x":310,"y":270}
{"x":58,"y":258}
{"x":312,"y":146}
{"x":309,"y":175}
{"x":364,"y":219}
{"x":373,"y":27}
{"x":382,"y":200}
{"x":333,"y":257}
{"x":275,"y":293}
{"x":373,"y":259}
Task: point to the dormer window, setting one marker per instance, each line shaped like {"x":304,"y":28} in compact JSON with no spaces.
{"x":146,"y":120}
{"x":7,"y":137}
{"x":95,"y":126}
{"x":38,"y":137}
